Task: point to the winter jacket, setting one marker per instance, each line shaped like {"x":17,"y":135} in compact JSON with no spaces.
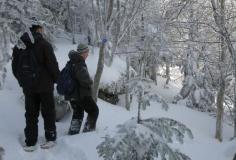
{"x":81,"y":75}
{"x":46,"y":59}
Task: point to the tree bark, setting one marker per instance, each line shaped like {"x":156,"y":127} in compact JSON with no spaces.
{"x":154,"y":73}
{"x":99,"y":71}
{"x":71,"y":21}
{"x":167,"y":72}
{"x":220,"y":112}
{"x":221,"y":92}
{"x":95,"y":37}
{"x":127,"y":95}
{"x":118,"y":29}
{"x":4,"y":57}
{"x":101,"y":59}
{"x":139,"y":107}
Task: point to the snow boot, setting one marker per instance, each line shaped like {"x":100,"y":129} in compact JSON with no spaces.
{"x":90,"y":125}
{"x":29,"y":148}
{"x":48,"y":144}
{"x":75,"y":126}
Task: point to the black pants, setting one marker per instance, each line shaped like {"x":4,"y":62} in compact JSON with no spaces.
{"x":88,"y":105}
{"x":34,"y":102}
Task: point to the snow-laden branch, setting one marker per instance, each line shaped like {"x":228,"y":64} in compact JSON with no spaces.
{"x":145,"y":141}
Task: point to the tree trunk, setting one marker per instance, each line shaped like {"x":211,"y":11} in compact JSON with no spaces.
{"x":220,"y":96}
{"x":99,"y":71}
{"x":95,"y":36}
{"x":4,"y":57}
{"x":167,"y":72}
{"x":234,"y":110}
{"x":116,"y":39}
{"x":71,"y":21}
{"x":220,"y":112}
{"x":139,"y":107}
{"x":109,"y":14}
{"x":101,"y":59}
{"x":154,"y":67}
{"x":127,"y":95}
{"x":73,"y":38}
{"x":110,"y":9}
{"x":154,"y":73}
{"x":140,"y":95}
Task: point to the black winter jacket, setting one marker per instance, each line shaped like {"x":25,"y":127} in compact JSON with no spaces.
{"x":46,"y":59}
{"x":81,"y":75}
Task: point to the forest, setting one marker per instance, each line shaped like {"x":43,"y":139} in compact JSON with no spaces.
{"x":147,"y":57}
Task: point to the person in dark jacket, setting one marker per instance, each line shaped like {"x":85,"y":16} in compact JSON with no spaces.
{"x":81,"y":100}
{"x":39,"y":97}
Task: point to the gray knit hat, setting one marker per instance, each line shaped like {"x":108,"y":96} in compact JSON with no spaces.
{"x":82,"y":48}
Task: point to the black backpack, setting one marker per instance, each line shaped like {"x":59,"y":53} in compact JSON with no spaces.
{"x":66,"y":83}
{"x":28,"y":70}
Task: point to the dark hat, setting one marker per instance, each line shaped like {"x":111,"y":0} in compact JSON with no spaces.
{"x":82,"y":48}
{"x":72,"y":53}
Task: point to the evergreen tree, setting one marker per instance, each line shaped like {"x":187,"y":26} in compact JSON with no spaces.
{"x":142,"y":88}
{"x":145,"y":141}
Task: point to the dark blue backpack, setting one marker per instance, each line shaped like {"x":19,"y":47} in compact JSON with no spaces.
{"x":28,"y":70}
{"x":66,"y":83}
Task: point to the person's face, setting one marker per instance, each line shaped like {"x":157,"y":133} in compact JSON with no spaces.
{"x":40,"y":30}
{"x":85,"y":55}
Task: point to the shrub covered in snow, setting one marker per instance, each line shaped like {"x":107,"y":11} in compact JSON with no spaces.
{"x":198,"y":94}
{"x":145,"y":141}
{"x":142,"y":89}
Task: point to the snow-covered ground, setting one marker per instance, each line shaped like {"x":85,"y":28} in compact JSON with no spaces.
{"x":83,"y":146}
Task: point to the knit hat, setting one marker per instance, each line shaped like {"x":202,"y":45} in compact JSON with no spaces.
{"x":72,"y":53}
{"x":82,"y":48}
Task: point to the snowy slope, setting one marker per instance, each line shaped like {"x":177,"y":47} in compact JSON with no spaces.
{"x":83,"y":146}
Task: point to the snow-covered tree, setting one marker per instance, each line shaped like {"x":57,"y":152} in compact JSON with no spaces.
{"x":142,"y":89}
{"x":196,"y":86}
{"x":222,"y":80}
{"x":11,"y":23}
{"x":17,"y":16}
{"x":146,"y":140}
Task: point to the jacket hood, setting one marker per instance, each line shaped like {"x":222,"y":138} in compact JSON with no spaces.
{"x":74,"y":56}
{"x":27,"y":41}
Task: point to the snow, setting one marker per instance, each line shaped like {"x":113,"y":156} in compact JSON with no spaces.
{"x":83,"y":146}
